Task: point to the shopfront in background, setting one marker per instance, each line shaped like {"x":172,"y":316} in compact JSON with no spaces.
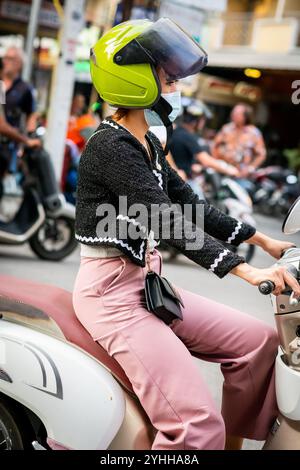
{"x":270,"y":97}
{"x":14,"y":17}
{"x":221,"y":95}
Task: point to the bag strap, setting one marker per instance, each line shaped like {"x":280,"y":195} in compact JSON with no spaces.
{"x":148,"y":257}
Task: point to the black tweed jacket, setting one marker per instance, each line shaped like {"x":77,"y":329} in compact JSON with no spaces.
{"x":113,"y":164}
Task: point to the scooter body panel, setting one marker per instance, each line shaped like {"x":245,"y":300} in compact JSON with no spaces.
{"x":136,"y":432}
{"x":79,"y":402}
{"x":287,"y":382}
{"x":29,"y":218}
{"x":284,"y":435}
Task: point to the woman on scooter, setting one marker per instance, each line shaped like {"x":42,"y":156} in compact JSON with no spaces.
{"x":135,"y":67}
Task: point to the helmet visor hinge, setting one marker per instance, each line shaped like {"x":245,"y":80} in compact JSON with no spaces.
{"x":133,"y":53}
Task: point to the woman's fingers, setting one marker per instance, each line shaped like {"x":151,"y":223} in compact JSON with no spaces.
{"x":279,"y":284}
{"x":279,"y":281}
{"x":279,"y":275}
{"x":282,"y":278}
{"x":292,"y":282}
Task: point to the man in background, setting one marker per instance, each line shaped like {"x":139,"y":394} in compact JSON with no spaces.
{"x":20,"y":103}
{"x":9,"y":132}
{"x":240,"y":143}
{"x":189,"y":154}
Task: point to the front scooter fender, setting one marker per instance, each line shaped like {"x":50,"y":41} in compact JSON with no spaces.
{"x":79,"y":402}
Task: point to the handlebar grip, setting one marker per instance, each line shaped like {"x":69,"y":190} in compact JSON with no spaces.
{"x":266,"y":287}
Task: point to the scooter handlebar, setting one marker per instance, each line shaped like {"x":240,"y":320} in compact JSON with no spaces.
{"x":266,"y":287}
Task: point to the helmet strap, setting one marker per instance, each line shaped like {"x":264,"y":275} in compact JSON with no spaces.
{"x":163,"y":109}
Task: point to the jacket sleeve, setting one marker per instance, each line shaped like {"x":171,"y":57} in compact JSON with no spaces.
{"x":115,"y":163}
{"x":216,"y":223}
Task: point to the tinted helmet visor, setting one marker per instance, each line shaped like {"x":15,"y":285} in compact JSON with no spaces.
{"x":166,"y":45}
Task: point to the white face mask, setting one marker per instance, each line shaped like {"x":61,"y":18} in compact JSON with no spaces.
{"x":174,"y":99}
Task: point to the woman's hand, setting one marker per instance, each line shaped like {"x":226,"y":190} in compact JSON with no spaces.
{"x":274,"y":247}
{"x":277,"y":274}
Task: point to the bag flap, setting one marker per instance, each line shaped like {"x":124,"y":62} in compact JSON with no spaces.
{"x":160,"y":294}
{"x":170,"y":290}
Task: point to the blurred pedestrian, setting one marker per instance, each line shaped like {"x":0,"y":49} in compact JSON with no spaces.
{"x":240,"y":143}
{"x":20,"y":102}
{"x":8,"y":132}
{"x":189,"y":154}
{"x":82,"y":124}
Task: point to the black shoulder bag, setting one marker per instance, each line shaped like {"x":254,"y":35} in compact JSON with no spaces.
{"x":161,"y":297}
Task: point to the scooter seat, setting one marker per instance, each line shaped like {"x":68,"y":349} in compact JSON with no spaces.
{"x":35,"y":300}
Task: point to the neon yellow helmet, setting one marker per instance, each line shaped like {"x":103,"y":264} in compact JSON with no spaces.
{"x":124,"y":61}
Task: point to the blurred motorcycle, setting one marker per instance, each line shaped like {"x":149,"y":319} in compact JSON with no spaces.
{"x":43,"y":219}
{"x":274,"y":190}
{"x":227,"y":195}
{"x":232,"y":199}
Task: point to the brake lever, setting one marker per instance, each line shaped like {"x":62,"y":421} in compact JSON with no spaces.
{"x":293,"y":300}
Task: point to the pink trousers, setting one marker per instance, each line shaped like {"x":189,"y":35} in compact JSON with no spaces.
{"x":109,"y":302}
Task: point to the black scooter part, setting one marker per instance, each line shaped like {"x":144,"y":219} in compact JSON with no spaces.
{"x":48,"y":187}
{"x":26,"y":216}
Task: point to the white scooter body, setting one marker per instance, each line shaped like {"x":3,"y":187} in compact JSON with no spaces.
{"x":68,"y":390}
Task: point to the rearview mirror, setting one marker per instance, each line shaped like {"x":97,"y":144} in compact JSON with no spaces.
{"x":291,"y":223}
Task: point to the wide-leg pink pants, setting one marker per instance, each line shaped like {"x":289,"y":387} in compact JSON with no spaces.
{"x":109,"y":302}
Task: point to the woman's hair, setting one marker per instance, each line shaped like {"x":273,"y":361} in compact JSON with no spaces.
{"x":120,"y":113}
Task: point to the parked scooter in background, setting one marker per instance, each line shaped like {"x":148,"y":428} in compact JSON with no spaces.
{"x":45,"y":404}
{"x":274,"y":190}
{"x":227,"y":195}
{"x":43,"y":218}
